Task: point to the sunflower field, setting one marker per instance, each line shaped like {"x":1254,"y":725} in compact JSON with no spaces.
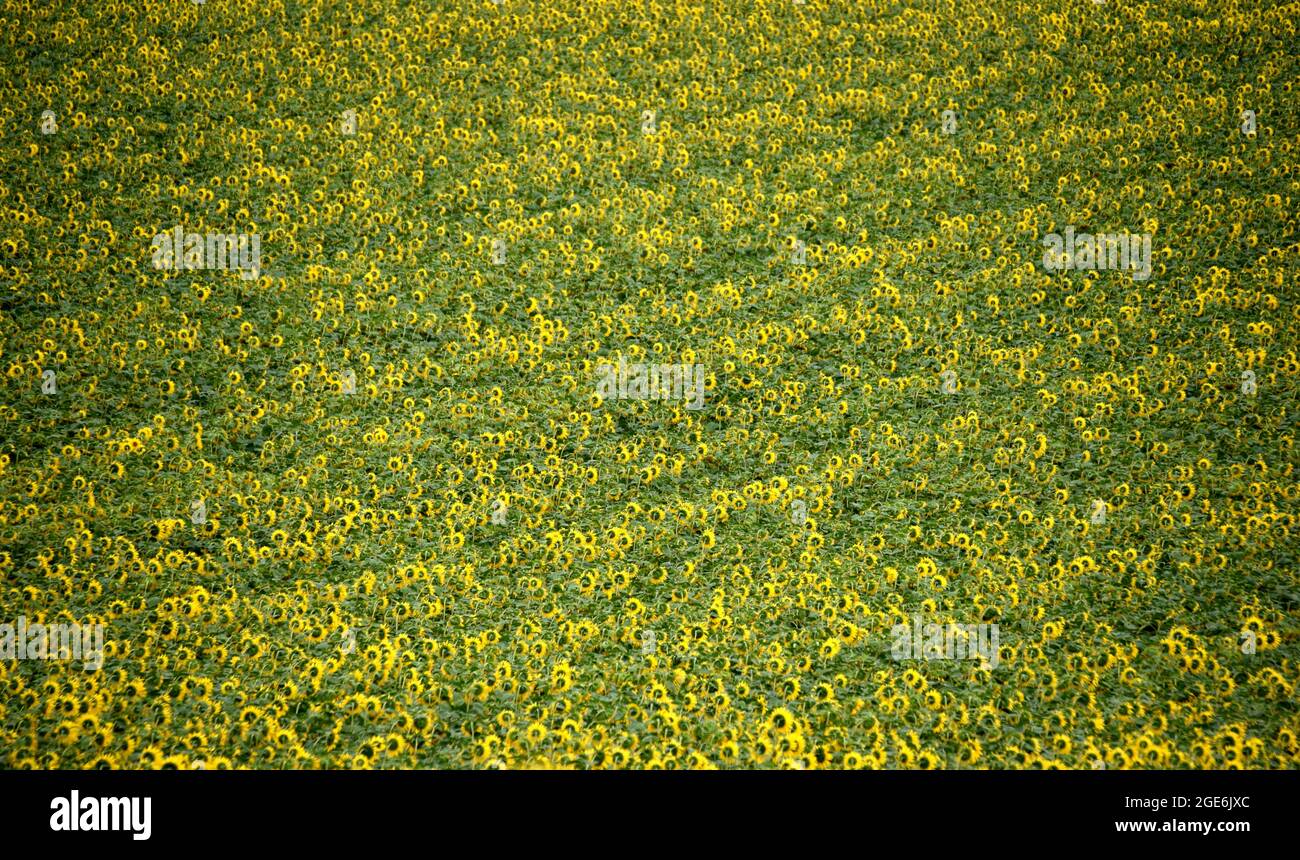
{"x":356,"y":496}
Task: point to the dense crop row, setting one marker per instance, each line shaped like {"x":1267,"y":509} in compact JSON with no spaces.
{"x":368,"y":503}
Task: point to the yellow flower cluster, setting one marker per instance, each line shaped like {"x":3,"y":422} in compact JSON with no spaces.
{"x":364,"y":504}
